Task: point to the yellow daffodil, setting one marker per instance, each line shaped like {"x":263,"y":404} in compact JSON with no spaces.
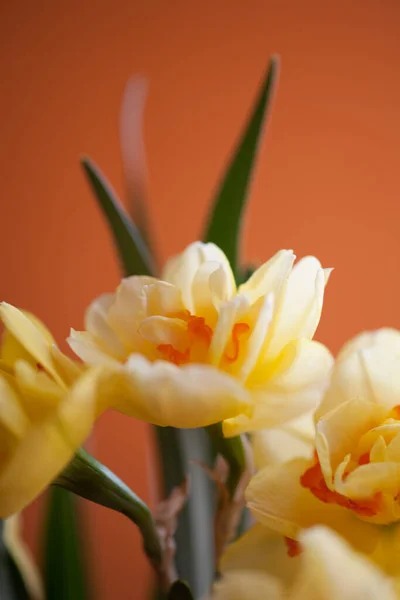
{"x":325,"y":568}
{"x":353,"y":482}
{"x":47,"y":408}
{"x":192,"y":349}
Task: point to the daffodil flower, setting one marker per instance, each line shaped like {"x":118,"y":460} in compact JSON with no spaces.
{"x":325,"y":568}
{"x":47,"y":408}
{"x":192,"y":349}
{"x":352,"y":483}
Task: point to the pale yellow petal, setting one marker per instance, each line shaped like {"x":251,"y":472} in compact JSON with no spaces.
{"x":247,"y":585}
{"x":97,"y":324}
{"x":47,"y":447}
{"x":367,"y":367}
{"x":261,"y":549}
{"x":13,"y":420}
{"x":163,"y":330}
{"x":302,"y":304}
{"x":181,"y":269}
{"x":30,"y":336}
{"x":339,"y":430}
{"x":294,"y":387}
{"x":164,"y":394}
{"x":230,"y":313}
{"x":332,"y":570}
{"x":269,"y":277}
{"x":277,"y":499}
{"x":128,"y":310}
{"x":85,"y":347}
{"x":295,"y":439}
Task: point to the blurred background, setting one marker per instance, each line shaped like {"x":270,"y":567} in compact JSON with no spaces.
{"x":327,"y":181}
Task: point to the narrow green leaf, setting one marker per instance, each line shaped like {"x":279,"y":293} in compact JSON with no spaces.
{"x":226,"y":216}
{"x":180,"y":591}
{"x":132,"y":250}
{"x":64,"y":569}
{"x":12,"y":586}
{"x":88,"y":478}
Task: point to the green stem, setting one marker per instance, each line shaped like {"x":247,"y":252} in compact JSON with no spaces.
{"x":88,"y":478}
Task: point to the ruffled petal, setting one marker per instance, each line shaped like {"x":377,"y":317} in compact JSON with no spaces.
{"x":367,"y":367}
{"x":276,"y":498}
{"x":260,"y":549}
{"x":302,"y":304}
{"x":181,"y":270}
{"x":331,"y":570}
{"x":295,"y":439}
{"x":294,"y":387}
{"x":188,"y":396}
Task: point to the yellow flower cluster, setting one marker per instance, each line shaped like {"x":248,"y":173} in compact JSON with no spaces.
{"x":192,"y":349}
{"x":187,"y":350}
{"x":347,"y":478}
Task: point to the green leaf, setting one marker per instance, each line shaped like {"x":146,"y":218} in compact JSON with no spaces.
{"x":88,"y":478}
{"x":12,"y":586}
{"x":64,"y":568}
{"x":225,"y":220}
{"x":180,"y":591}
{"x":132,"y":250}
{"x":232,"y":450}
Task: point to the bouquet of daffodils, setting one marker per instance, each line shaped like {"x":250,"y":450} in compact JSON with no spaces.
{"x":295,"y":488}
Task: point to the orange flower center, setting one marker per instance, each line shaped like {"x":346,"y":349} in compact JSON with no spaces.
{"x":200,"y":334}
{"x":293,"y":547}
{"x":313,"y":479}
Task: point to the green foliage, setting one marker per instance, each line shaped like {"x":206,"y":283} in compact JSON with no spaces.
{"x":226,"y":216}
{"x":132,"y":250}
{"x":64,"y":572}
{"x":12,"y":586}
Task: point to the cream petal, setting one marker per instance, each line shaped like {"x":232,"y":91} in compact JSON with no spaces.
{"x":302,"y":304}
{"x":247,"y":585}
{"x":96,"y":323}
{"x":181,"y":269}
{"x":276,"y":498}
{"x":162,"y":330}
{"x":338,"y":432}
{"x":129,"y":309}
{"x":367,"y":480}
{"x":203,"y":300}
{"x":292,"y":440}
{"x":260,"y":549}
{"x":188,"y":396}
{"x":257,"y":337}
{"x":367,"y":367}
{"x":269,"y":277}
{"x":294,"y":388}
{"x":86,"y":348}
{"x":163,"y":299}
{"x":230,"y":313}
{"x":332,"y":570}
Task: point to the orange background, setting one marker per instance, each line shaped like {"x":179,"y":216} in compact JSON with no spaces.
{"x":328,"y":181}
